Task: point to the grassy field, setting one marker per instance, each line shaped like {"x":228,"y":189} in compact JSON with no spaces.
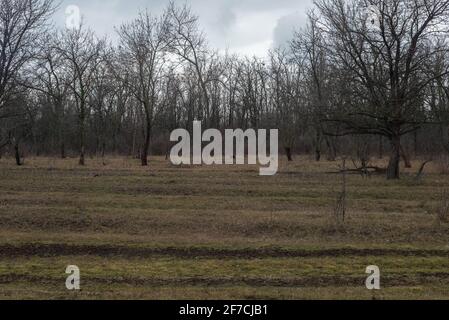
{"x":168,"y":232}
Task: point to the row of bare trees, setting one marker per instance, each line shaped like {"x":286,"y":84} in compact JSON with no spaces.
{"x":376,"y":70}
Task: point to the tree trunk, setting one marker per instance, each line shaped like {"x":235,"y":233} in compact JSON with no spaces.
{"x":395,"y":158}
{"x":17,"y":154}
{"x":63,"y":155}
{"x":331,"y":150}
{"x":61,"y":129}
{"x":288,"y":152}
{"x":146,"y":146}
{"x":82,"y":160}
{"x":167,"y":151}
{"x":318,"y":146}
{"x":415,"y":143}
{"x":103,"y":152}
{"x":133,"y":148}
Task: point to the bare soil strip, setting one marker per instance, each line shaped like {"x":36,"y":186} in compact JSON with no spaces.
{"x":318,"y":281}
{"x":57,"y":250}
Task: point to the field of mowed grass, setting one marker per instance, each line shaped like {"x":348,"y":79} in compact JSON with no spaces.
{"x":217,"y":232}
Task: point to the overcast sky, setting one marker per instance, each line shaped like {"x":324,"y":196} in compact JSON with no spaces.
{"x":248,"y":27}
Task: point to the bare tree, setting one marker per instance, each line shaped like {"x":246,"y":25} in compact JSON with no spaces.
{"x":341,"y":76}
{"x":82,"y":54}
{"x":308,"y":47}
{"x":21,"y":22}
{"x":386,"y":63}
{"x":189,"y":43}
{"x":286,"y":94}
{"x":47,"y":75}
{"x":143,"y":49}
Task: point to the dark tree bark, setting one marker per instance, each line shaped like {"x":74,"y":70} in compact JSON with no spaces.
{"x":61,"y":137}
{"x":318,"y":146}
{"x":63,"y":154}
{"x":82,"y":137}
{"x":331,"y":150}
{"x":146,"y":146}
{"x":17,"y":153}
{"x":415,"y":143}
{"x":288,"y":152}
{"x":395,"y":157}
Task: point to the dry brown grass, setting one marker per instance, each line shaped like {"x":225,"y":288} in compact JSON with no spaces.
{"x":122,"y":204}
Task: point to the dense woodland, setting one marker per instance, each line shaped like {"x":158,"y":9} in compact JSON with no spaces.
{"x":363,"y":78}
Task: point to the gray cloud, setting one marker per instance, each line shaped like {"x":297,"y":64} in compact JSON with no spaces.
{"x":243,"y":26}
{"x":286,"y":27}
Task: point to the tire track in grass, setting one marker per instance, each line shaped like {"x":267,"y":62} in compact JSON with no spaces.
{"x":311,"y":282}
{"x":57,"y":250}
